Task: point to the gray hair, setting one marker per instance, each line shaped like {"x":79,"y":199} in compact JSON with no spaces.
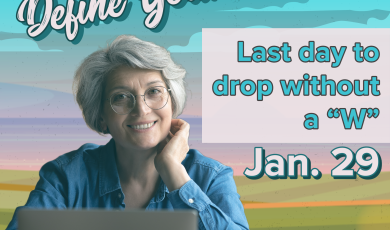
{"x":90,"y":77}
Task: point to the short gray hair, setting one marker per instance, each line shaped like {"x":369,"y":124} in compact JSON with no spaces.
{"x":90,"y":77}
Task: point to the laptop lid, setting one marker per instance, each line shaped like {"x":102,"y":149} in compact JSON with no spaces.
{"x":103,"y":219}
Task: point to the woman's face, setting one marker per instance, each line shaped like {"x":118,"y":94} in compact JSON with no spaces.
{"x":126,"y":129}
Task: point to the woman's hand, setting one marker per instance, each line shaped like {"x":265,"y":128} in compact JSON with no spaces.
{"x":175,"y":146}
{"x":171,"y":152}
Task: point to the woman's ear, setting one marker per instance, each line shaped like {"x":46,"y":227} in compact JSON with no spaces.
{"x":103,"y":125}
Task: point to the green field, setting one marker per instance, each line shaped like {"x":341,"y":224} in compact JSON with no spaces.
{"x":303,"y":190}
{"x":266,"y":190}
{"x":373,"y":217}
{"x":356,"y":217}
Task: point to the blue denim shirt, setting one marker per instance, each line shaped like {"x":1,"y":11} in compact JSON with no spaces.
{"x":88,"y":178}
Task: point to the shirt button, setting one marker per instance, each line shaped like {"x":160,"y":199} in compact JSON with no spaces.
{"x":119,"y":195}
{"x":191,"y":201}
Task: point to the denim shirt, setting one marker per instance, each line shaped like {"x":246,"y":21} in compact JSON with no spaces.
{"x":88,"y":178}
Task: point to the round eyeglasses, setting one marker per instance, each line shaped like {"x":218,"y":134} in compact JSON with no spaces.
{"x":155,"y":98}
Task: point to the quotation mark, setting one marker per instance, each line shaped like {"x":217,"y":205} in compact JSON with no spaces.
{"x":372,"y":112}
{"x":335,"y":113}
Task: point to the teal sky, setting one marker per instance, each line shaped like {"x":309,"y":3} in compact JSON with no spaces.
{"x":49,"y":63}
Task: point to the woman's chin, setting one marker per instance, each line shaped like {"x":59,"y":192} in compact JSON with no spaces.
{"x":141,"y":145}
{"x":146,"y":146}
{"x":138,"y":142}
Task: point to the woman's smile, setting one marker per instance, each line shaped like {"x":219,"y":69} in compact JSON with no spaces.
{"x":141,"y":127}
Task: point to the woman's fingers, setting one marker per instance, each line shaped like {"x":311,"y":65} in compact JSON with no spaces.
{"x":180,"y":125}
{"x":176,"y":124}
{"x":175,"y":145}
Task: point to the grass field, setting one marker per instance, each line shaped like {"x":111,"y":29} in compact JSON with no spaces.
{"x":370,"y":217}
{"x":269,"y":204}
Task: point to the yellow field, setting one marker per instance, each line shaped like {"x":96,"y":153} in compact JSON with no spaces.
{"x":269,"y":204}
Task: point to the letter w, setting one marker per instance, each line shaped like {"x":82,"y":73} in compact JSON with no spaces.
{"x":295,"y":88}
{"x":353,"y":118}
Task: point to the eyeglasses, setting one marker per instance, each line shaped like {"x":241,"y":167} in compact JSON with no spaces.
{"x":155,"y":98}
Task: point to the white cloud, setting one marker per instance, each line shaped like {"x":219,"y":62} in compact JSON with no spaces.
{"x":194,"y":45}
{"x":258,"y":27}
{"x":321,"y":5}
{"x":21,"y":45}
{"x":371,"y":23}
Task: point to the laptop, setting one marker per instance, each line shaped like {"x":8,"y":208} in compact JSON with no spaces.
{"x":103,"y":219}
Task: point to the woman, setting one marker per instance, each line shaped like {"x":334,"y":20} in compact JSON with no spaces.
{"x":132,"y":90}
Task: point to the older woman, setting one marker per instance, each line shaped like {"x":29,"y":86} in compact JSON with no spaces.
{"x":133,"y":90}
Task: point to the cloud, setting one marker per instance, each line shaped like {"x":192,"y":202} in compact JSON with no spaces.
{"x":21,"y":96}
{"x":258,"y":27}
{"x":321,"y":5}
{"x":371,"y":23}
{"x":28,"y":101}
{"x":194,"y":45}
{"x":21,"y":45}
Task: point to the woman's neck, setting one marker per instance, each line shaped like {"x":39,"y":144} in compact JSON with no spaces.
{"x":136,"y":166}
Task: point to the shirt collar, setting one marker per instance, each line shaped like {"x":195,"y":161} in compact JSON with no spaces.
{"x":108,"y":174}
{"x":160,"y":194}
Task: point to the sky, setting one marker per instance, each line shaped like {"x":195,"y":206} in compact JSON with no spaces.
{"x":36,"y":74}
{"x":49,"y":63}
